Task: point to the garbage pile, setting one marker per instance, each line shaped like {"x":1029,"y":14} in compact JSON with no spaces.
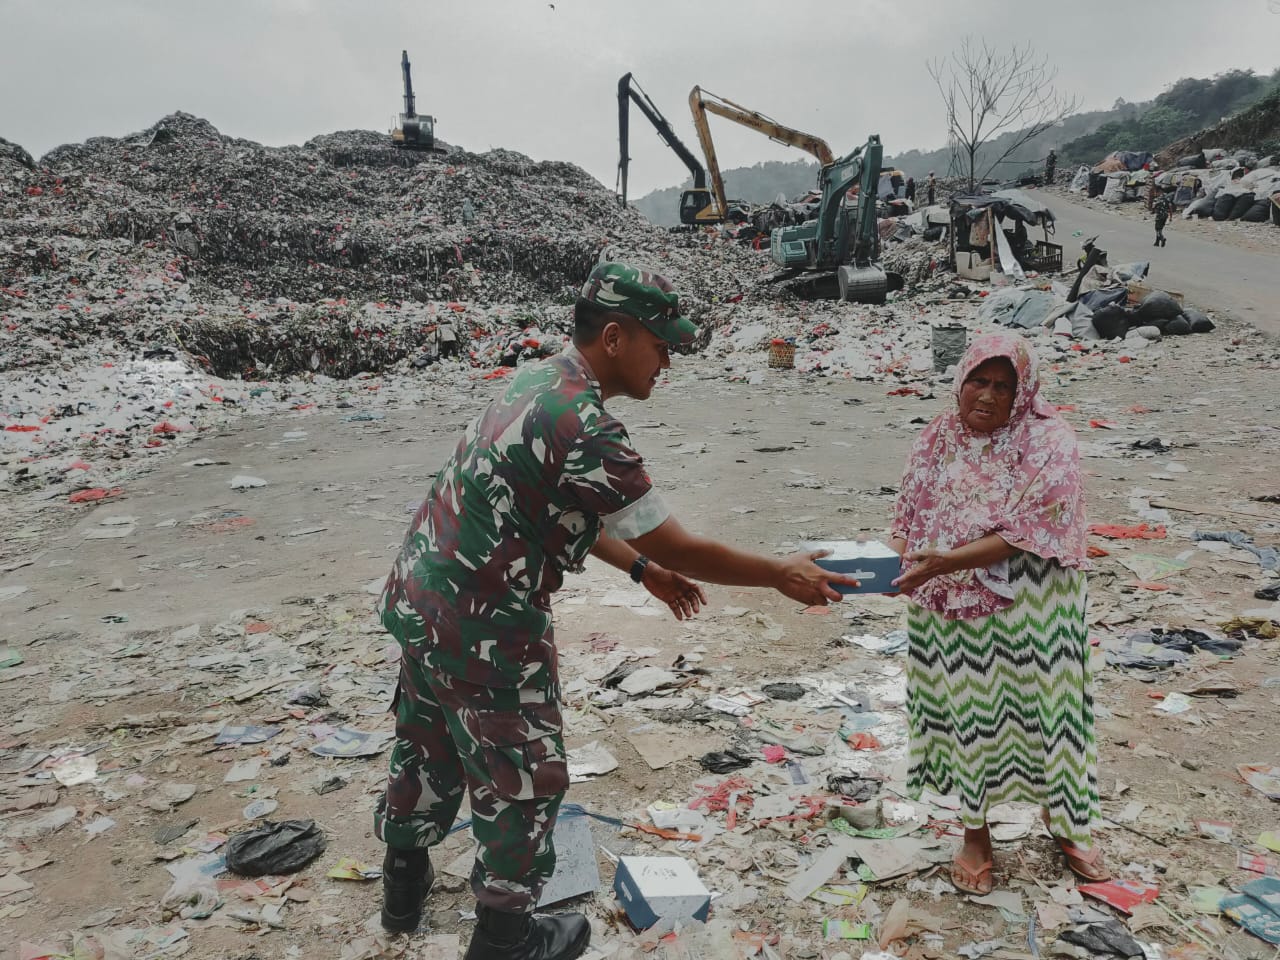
{"x":1251,"y":197}
{"x":182,"y":230}
{"x":158,"y":285}
{"x":1213,"y":182}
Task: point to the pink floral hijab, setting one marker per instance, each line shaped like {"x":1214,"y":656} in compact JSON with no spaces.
{"x":1022,"y":481}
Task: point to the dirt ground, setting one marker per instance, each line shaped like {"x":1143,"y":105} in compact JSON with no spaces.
{"x":277,"y":582}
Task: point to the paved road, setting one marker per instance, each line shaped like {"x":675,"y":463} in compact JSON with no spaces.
{"x":1213,"y":276}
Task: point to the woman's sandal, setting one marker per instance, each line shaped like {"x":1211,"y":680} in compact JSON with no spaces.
{"x":977,"y":882}
{"x":1088,"y":864}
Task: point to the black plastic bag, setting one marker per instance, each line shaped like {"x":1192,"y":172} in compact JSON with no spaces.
{"x":1157,"y":306}
{"x":275,"y":848}
{"x":1111,"y":322}
{"x":725,"y":761}
{"x":1200,"y":322}
{"x":1241,"y":206}
{"x":1109,"y":938}
{"x":1260,"y":212}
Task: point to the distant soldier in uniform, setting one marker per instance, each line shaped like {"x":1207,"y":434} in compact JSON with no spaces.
{"x":932,"y":184}
{"x":1161,"y":209}
{"x":543,"y":477}
{"x":1050,"y":168}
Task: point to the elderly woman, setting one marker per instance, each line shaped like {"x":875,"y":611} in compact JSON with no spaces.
{"x":990,"y":520}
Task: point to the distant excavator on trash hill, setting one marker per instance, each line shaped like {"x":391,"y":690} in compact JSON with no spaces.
{"x":413,"y":131}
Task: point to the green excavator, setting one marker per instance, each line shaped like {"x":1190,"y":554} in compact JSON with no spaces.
{"x":836,"y":255}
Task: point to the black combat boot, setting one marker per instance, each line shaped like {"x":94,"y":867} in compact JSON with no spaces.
{"x":522,"y":936}
{"x":407,"y":878}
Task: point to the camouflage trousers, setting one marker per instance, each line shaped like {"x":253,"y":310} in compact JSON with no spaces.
{"x":506,"y":749}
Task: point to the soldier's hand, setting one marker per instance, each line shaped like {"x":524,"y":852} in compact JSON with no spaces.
{"x":682,"y":595}
{"x":805,"y":581}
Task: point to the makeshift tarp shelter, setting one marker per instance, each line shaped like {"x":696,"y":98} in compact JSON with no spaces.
{"x":1123,"y":160}
{"x":990,"y":232}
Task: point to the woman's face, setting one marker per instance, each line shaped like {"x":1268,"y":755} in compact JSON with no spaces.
{"x":986,"y":398}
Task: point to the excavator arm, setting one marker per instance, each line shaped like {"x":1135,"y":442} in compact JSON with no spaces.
{"x":629,"y":92}
{"x":702,"y":102}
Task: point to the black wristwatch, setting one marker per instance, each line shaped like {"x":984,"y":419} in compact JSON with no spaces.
{"x":637,"y":568}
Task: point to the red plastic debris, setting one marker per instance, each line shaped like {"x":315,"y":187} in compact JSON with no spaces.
{"x":863,"y":741}
{"x":1124,"y":895}
{"x":1116,"y":532}
{"x":904,"y":392}
{"x":774,"y":753}
{"x":94,"y":494}
{"x":22,"y":428}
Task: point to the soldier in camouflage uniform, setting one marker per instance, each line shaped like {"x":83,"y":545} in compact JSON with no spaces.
{"x":543,"y":477}
{"x":1161,"y":210}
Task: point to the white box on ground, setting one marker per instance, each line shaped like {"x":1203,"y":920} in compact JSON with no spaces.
{"x":655,"y":888}
{"x":874,"y":564}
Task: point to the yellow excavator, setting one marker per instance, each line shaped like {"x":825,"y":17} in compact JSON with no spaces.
{"x":702,"y":102}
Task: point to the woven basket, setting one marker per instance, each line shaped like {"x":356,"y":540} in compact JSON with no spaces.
{"x":782,"y":355}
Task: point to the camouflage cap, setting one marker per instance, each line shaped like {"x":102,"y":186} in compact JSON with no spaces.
{"x":642,"y":294}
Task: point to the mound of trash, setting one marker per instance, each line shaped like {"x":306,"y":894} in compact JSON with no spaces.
{"x":181,"y":237}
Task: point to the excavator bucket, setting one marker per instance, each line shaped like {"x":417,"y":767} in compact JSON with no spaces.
{"x":867,"y":284}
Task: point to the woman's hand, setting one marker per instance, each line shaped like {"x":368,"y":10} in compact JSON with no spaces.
{"x":924,"y":566}
{"x":805,"y":581}
{"x":682,"y":595}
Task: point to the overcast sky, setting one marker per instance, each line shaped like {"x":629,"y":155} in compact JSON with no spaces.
{"x":541,"y":78}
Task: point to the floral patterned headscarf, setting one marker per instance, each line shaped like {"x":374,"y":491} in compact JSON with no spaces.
{"x":1021,"y":481}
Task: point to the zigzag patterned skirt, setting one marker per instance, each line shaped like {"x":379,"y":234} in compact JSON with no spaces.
{"x":1000,"y":708}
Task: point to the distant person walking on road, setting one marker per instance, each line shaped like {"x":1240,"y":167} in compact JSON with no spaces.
{"x":1050,"y":168}
{"x":932,"y":183}
{"x":1161,"y":210}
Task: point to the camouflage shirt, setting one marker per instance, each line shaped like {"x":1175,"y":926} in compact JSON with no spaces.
{"x":528,"y":491}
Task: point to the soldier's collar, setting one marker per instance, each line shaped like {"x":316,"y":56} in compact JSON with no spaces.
{"x":575,"y":355}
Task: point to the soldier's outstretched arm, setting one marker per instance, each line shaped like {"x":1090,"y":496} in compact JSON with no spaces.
{"x":682,"y":595}
{"x":795,"y":576}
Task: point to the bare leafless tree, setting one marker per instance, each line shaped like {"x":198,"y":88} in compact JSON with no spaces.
{"x":988,"y":93}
